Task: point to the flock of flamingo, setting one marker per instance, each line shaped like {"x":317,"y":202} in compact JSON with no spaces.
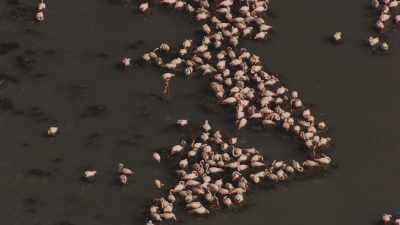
{"x":387,"y":17}
{"x":213,"y":171}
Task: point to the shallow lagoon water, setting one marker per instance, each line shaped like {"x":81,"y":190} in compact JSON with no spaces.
{"x":62,"y":69}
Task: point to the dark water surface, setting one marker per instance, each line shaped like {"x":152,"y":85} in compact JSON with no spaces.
{"x":62,"y":72}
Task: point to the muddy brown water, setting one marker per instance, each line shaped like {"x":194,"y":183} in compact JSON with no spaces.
{"x":62,"y":72}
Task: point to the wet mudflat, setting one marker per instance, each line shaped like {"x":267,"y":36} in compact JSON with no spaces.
{"x":63,"y":73}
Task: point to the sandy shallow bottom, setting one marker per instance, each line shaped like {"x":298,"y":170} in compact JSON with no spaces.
{"x":63,"y":72}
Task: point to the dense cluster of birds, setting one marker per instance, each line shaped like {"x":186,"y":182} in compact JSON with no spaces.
{"x":389,"y":219}
{"x":386,"y":18}
{"x":237,"y":76}
{"x":214,"y":172}
{"x":40,"y":11}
